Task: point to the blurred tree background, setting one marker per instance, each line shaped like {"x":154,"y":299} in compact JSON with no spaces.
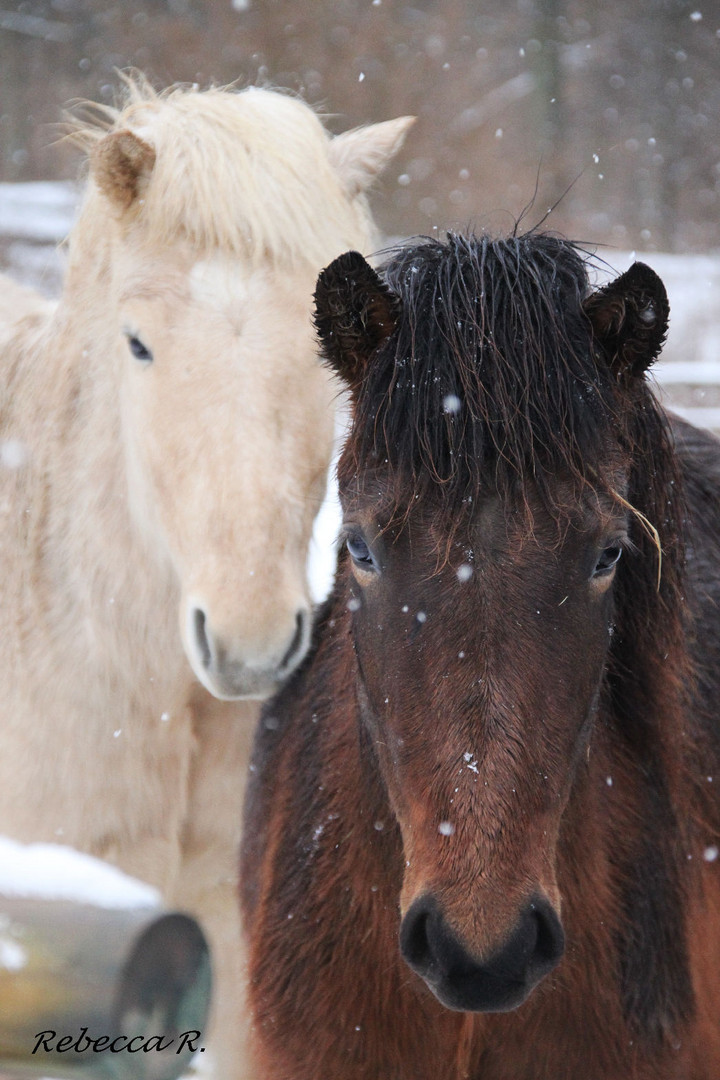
{"x":611,"y":107}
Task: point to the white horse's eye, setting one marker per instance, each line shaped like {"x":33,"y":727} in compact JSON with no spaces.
{"x":139,"y":351}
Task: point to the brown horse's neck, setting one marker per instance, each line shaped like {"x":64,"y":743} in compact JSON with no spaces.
{"x":627,"y":858}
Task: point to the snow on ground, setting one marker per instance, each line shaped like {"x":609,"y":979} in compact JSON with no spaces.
{"x":38,"y":211}
{"x":54,"y":872}
{"x":34,"y":219}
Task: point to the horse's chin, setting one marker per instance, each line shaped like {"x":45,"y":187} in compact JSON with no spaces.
{"x":472,"y":995}
{"x":239,"y":683}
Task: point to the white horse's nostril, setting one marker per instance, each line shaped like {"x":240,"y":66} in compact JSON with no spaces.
{"x":199,"y":621}
{"x":296,"y":649}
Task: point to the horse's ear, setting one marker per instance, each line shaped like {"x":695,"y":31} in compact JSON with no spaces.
{"x":355,"y":313}
{"x":629,"y":317}
{"x":121,"y":164}
{"x":361,"y":155}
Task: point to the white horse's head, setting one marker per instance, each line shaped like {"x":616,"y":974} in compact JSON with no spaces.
{"x":218,"y":209}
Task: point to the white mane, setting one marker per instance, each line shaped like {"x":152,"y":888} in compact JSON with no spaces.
{"x":248,"y":173}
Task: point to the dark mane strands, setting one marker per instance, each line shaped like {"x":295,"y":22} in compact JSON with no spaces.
{"x":482,"y":323}
{"x":500,"y":325}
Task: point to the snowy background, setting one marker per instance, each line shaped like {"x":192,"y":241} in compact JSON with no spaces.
{"x":609,"y":113}
{"x":610,"y":110}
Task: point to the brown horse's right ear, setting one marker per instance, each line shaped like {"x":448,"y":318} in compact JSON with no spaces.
{"x":121,"y":164}
{"x":355,"y":313}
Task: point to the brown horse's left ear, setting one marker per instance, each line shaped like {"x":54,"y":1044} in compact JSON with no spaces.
{"x":355,"y":313}
{"x":629,"y":317}
{"x":121,"y":164}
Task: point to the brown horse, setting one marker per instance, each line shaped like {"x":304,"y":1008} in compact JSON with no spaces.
{"x":482,"y":830}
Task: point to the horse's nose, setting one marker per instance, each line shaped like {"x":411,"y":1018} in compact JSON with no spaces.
{"x":500,"y":982}
{"x":230,"y":670}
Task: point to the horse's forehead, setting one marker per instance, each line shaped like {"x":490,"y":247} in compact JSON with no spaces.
{"x":214,"y":282}
{"x":222,"y":283}
{"x":522,"y":511}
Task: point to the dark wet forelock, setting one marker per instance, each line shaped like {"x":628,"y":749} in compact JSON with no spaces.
{"x":490,"y":375}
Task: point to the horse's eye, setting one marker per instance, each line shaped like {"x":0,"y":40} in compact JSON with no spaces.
{"x":608,"y":560}
{"x":360,"y":552}
{"x":139,"y":351}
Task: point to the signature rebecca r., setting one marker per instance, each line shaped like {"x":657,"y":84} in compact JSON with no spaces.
{"x":50,"y":1042}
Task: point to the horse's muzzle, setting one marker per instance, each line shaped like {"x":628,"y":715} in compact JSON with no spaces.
{"x":500,"y":982}
{"x":231,"y":673}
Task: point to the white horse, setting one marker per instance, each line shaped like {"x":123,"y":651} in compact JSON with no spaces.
{"x":165,"y":432}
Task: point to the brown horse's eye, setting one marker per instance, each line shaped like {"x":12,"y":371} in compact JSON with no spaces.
{"x":139,"y":351}
{"x":608,"y":560}
{"x":359,"y":552}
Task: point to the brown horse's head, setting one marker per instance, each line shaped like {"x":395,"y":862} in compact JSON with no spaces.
{"x":491,"y":504}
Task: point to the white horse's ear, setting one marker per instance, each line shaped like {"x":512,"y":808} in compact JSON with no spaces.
{"x":361,"y":155}
{"x":120,"y":164}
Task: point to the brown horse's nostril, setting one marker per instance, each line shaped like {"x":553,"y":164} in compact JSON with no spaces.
{"x":414,"y":940}
{"x":500,"y":983}
{"x":550,"y":936}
